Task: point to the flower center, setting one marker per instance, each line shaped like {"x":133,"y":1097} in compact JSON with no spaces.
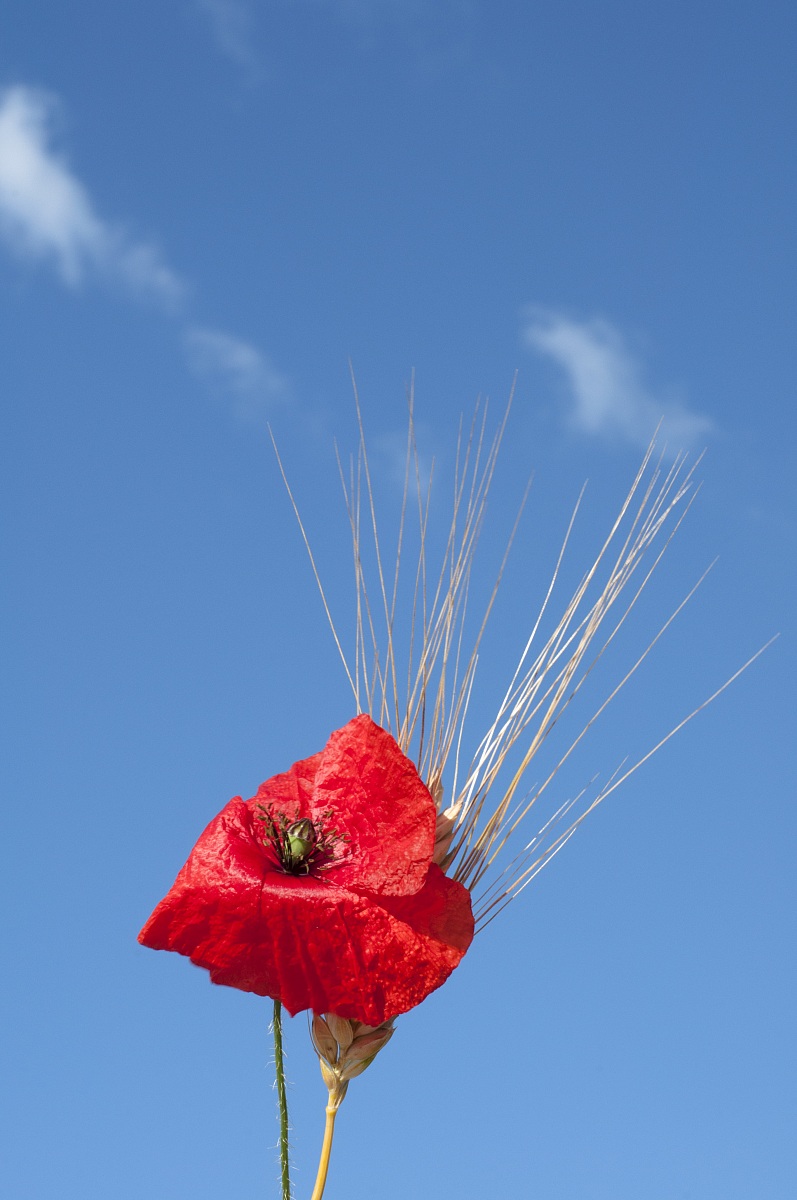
{"x":300,"y":847}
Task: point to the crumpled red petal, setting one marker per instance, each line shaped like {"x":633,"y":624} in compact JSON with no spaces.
{"x":376,"y":800}
{"x":324,"y":942}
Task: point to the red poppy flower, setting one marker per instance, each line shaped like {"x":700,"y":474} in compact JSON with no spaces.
{"x":320,"y":891}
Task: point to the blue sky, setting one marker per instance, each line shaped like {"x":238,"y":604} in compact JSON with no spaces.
{"x":207,"y":209}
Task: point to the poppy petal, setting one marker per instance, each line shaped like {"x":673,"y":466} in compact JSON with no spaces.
{"x":291,"y":792}
{"x":381,"y":804}
{"x":305,"y":940}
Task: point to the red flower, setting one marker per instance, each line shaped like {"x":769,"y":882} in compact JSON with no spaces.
{"x":320,"y":891}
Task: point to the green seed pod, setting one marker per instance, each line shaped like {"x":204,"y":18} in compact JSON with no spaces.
{"x":301,"y":839}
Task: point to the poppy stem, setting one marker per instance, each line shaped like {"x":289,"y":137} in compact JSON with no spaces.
{"x":323,"y":1165}
{"x":282,"y":1100}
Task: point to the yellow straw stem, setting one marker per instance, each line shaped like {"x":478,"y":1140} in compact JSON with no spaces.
{"x":326,"y":1149}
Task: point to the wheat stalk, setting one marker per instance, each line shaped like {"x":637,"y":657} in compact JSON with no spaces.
{"x":415,"y":677}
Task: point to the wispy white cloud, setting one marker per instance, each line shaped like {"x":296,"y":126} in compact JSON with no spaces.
{"x":432,"y":29}
{"x":389,"y":453}
{"x":608,"y":395}
{"x":233,"y":367}
{"x":47,"y":213}
{"x":231,"y":25}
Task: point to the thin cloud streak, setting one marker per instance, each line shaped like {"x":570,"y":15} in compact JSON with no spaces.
{"x":233,"y":367}
{"x":607,"y":394}
{"x":46,"y":213}
{"x":389,"y":452}
{"x":231,"y":26}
